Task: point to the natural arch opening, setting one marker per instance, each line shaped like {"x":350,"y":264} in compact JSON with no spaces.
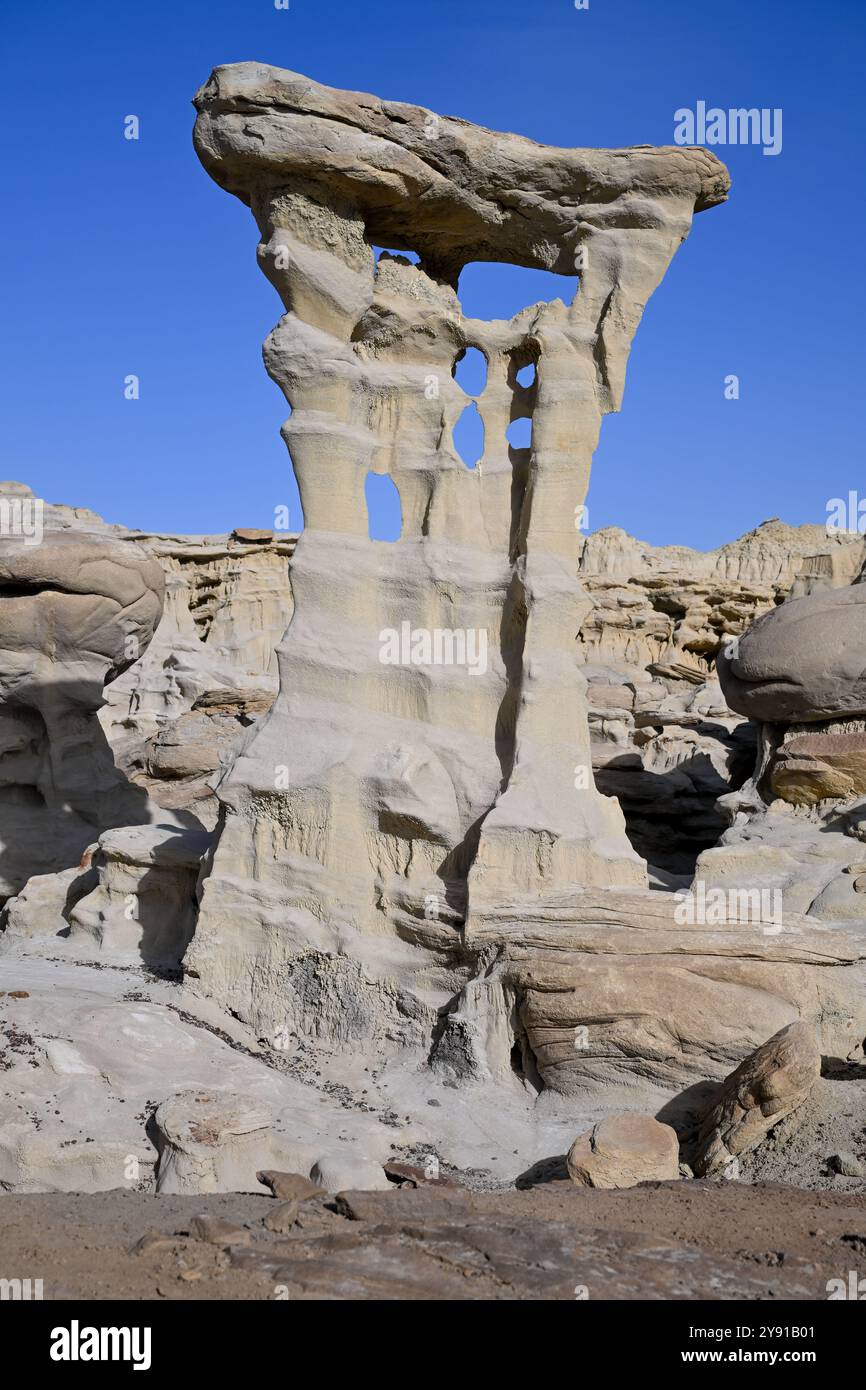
{"x":469,"y":436}
{"x":494,"y":290}
{"x":384,"y":510}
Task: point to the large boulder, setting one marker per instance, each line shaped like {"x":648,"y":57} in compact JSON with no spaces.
{"x":805,"y":661}
{"x":623,"y":1150}
{"x":212,"y":1142}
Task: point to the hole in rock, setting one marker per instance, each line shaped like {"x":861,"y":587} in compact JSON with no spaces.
{"x":380,"y":251}
{"x":493,"y":290}
{"x":470,"y":371}
{"x":526,"y":375}
{"x":523,"y":1063}
{"x":384,"y":512}
{"x":469,"y":436}
{"x":519,"y":433}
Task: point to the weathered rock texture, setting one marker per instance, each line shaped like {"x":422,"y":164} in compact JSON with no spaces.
{"x":418,"y":893}
{"x":803,"y":663}
{"x":144,"y":899}
{"x":403,"y":801}
{"x":603,"y":991}
{"x":76,"y":609}
{"x":211,"y":1142}
{"x":210,"y":672}
{"x":173,"y":716}
{"x":623,"y":1150}
{"x":764,"y":1089}
{"x":799,"y":673}
{"x":796,"y":825}
{"x":664,"y":741}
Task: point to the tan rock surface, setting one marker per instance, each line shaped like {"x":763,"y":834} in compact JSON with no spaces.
{"x":664,"y":741}
{"x":764,"y":1089}
{"x":804,"y":662}
{"x":623,"y":1150}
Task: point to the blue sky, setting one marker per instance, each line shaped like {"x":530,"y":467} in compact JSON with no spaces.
{"x":123,"y":257}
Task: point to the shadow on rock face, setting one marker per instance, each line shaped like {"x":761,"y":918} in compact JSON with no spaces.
{"x":76,"y":609}
{"x":143,"y":902}
{"x":685,"y":1113}
{"x":552,"y":1169}
{"x":671,"y":816}
{"x":60,"y":786}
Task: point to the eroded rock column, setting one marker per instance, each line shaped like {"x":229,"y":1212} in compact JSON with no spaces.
{"x":427,"y":761}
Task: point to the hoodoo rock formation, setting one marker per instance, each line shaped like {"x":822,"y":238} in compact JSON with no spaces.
{"x":799,"y":672}
{"x":425,"y":803}
{"x":426,"y":877}
{"x":415,"y":857}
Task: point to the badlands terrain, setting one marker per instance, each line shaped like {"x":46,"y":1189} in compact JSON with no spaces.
{"x":102,"y":1028}
{"x":354,"y":977}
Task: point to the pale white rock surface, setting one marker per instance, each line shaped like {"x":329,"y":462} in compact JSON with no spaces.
{"x":345,"y":1172}
{"x":144,"y":901}
{"x":91,"y":1047}
{"x":402,"y":881}
{"x":212,"y":1142}
{"x":420,"y":795}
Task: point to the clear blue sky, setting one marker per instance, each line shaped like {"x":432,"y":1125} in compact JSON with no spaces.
{"x":121,"y":256}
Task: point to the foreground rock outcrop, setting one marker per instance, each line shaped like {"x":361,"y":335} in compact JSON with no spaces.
{"x":702,"y":1241}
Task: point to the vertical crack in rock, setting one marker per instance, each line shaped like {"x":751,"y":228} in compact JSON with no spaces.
{"x":416,"y":776}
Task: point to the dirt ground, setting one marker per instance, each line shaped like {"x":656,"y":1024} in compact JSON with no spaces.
{"x":688,"y":1240}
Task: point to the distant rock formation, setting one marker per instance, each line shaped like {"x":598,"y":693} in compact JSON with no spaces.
{"x":801,"y":673}
{"x":210,"y":672}
{"x":664,"y":740}
{"x":76,"y":609}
